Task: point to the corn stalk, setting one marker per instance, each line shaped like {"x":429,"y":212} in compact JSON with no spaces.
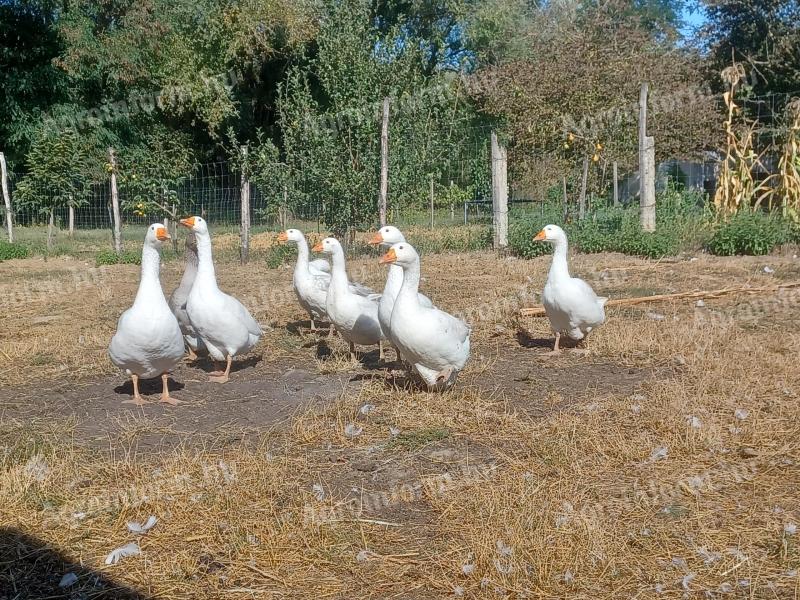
{"x":789,"y":165}
{"x":736,"y":186}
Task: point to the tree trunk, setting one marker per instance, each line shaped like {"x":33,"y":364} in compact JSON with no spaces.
{"x":6,"y":197}
{"x":245,"y":213}
{"x":384,"y":190}
{"x":50,"y":230}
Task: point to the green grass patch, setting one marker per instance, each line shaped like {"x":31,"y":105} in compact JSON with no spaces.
{"x":413,"y":440}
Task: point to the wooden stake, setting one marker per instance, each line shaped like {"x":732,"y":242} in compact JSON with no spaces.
{"x":616,"y":184}
{"x":647,"y":174}
{"x":384,"y":191}
{"x":244,"y":230}
{"x":584,"y":182}
{"x":115,"y":203}
{"x":538,"y":311}
{"x":6,"y":196}
{"x":499,"y":194}
{"x":431,"y":202}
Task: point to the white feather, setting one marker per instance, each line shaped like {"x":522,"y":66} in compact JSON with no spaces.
{"x":118,"y":554}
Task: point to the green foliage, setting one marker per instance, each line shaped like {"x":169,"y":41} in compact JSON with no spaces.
{"x":330,"y":111}
{"x":280,"y":254}
{"x":151,"y":172}
{"x":9,"y":251}
{"x":109,"y":257}
{"x":61,"y":168}
{"x":680,"y":215}
{"x":752,"y":233}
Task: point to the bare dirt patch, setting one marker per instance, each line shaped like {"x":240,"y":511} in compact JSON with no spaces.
{"x":666,"y":457}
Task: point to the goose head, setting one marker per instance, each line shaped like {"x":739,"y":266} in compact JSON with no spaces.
{"x":196,"y":224}
{"x":328,"y":246}
{"x":290,"y":235}
{"x":386,"y":236}
{"x":551,"y":233}
{"x":402,"y":254}
{"x":156,"y":234}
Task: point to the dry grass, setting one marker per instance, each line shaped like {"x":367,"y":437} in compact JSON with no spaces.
{"x":475,"y":496}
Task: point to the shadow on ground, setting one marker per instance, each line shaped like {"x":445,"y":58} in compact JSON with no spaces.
{"x":31,"y":569}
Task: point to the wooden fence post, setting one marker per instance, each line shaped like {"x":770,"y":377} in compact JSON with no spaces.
{"x":384,"y":191}
{"x":245,"y":198}
{"x":432,"y":202}
{"x":584,"y":182}
{"x":499,"y":194}
{"x":647,"y":167}
{"x":6,"y":196}
{"x":616,"y":185}
{"x":115,"y":203}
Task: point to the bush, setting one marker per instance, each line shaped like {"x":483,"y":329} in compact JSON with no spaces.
{"x":751,"y":233}
{"x":109,"y":257}
{"x":281,"y":254}
{"x":608,"y":230}
{"x":9,"y":251}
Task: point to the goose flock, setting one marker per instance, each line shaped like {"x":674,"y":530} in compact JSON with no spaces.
{"x":154,"y":335}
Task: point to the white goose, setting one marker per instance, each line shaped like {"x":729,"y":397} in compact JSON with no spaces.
{"x":570,"y":303}
{"x":388,"y":236}
{"x":224,"y":324}
{"x":148,"y":341}
{"x":310,"y":278}
{"x":434,"y":342}
{"x":354,"y":315}
{"x":177,"y":301}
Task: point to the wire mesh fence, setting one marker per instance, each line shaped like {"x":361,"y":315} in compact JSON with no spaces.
{"x":214,"y":190}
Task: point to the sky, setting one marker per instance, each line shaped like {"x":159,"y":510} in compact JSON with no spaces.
{"x":693,"y":19}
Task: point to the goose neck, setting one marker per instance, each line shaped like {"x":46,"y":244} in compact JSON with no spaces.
{"x":338,"y":271}
{"x":150,"y":281}
{"x":205,"y":260}
{"x":410,"y":286}
{"x":559,"y":268}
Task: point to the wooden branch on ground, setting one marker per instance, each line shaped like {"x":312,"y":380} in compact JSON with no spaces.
{"x":538,"y":311}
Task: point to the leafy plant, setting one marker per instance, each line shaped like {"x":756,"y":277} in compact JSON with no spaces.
{"x":9,"y":251}
{"x":749,"y":232}
{"x":109,"y":257}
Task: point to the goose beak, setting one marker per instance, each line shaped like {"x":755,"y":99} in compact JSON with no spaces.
{"x":376,"y":239}
{"x":188,"y":222}
{"x":317,"y":247}
{"x":162,"y":235}
{"x":540,"y":237}
{"x":283,"y":237}
{"x":389,"y":258}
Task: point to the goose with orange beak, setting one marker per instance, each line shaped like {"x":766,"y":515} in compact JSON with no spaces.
{"x":354,"y":315}
{"x":385,"y":237}
{"x":177,"y":301}
{"x":311,"y":277}
{"x":148,"y":342}
{"x":226,"y":327}
{"x":570,"y":303}
{"x":434,"y":342}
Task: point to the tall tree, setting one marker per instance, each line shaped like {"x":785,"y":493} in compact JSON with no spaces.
{"x":762,"y":34}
